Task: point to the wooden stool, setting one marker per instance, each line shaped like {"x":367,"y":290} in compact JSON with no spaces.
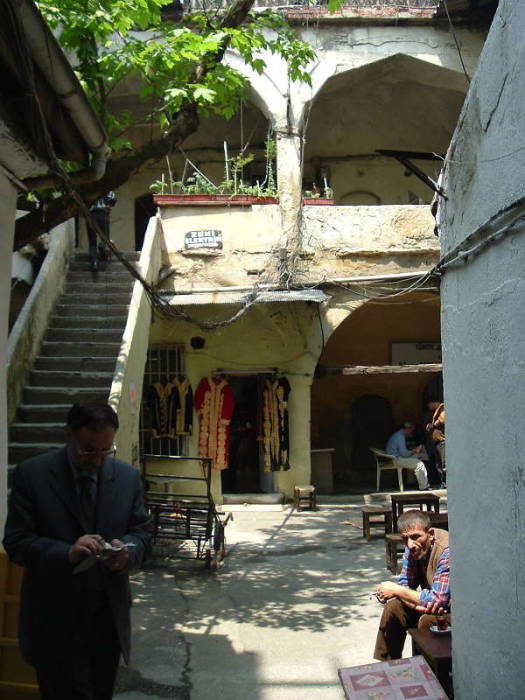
{"x":383,"y":519}
{"x":392,"y":541}
{"x":305,"y":494}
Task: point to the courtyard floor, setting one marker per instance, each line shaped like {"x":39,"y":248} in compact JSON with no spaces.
{"x":288,"y":608}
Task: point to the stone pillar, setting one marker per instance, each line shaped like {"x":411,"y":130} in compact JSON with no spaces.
{"x":7,"y":226}
{"x":289,"y":183}
{"x":299,"y":411}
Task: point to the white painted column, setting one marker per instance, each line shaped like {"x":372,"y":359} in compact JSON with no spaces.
{"x":7,"y":225}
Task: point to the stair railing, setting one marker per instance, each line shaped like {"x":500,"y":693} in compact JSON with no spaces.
{"x":31,"y":325}
{"x":126,"y":389}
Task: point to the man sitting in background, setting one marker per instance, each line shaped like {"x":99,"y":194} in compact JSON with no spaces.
{"x":426,"y":564}
{"x":406,"y":458}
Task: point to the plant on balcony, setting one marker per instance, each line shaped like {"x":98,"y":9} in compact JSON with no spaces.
{"x":315,"y":196}
{"x":200,"y":190}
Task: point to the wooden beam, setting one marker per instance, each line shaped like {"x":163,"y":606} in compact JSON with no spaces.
{"x":354,"y":370}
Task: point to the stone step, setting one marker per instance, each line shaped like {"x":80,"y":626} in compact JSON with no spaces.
{"x":28,"y":433}
{"x":70,"y":309}
{"x":44,"y":413}
{"x":90,"y":297}
{"x":72,"y":335}
{"x":106,"y":271}
{"x":72,"y":321}
{"x":111,"y":274}
{"x":61,"y":379}
{"x":75,"y":364}
{"x":62,"y":395}
{"x":99,"y":288}
{"x":86,"y":350}
{"x":18,"y":451}
{"x":133,"y":255}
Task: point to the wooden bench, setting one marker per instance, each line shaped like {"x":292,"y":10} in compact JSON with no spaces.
{"x":305,"y":495}
{"x":375,"y":517}
{"x":393,"y":546}
{"x":437,"y":651}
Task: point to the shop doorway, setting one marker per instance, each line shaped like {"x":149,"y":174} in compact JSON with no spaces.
{"x":245,"y":454}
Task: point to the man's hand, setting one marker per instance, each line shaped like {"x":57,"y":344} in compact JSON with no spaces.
{"x":117,"y":561}
{"x":387,"y":590}
{"x":432,"y":609}
{"x":85,"y":546}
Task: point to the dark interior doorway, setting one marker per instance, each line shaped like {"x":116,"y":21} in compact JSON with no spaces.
{"x":243,"y":473}
{"x":372,"y":424}
{"x":145,"y":208}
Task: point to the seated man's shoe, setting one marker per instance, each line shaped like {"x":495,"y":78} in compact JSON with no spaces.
{"x":94,"y":267}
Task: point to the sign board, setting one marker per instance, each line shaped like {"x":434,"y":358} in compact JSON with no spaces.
{"x":203,"y":239}
{"x":415,"y":353}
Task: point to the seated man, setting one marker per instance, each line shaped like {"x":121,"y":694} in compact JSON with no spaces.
{"x":397,"y":447}
{"x":426,"y":563}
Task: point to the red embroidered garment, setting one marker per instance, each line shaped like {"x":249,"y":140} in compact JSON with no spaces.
{"x":214,"y":405}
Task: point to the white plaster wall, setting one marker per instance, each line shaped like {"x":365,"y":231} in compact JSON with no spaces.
{"x":7,"y":223}
{"x":483,"y":306}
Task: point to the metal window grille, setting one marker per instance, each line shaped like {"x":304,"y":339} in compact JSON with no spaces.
{"x":164,"y":362}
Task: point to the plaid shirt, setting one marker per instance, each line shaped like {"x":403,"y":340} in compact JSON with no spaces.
{"x":440,"y":590}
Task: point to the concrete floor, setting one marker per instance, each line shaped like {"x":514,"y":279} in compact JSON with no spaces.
{"x":288,"y":608}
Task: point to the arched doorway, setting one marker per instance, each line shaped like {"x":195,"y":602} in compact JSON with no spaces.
{"x":350,"y":410}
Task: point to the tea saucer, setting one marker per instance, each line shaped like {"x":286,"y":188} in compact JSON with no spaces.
{"x":435,"y":630}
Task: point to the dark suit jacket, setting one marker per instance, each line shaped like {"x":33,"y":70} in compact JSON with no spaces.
{"x":43,"y":522}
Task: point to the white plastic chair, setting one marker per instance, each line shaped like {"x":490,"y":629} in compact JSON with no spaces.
{"x":385,"y":461}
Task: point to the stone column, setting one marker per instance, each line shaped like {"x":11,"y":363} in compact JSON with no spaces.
{"x":289,"y":183}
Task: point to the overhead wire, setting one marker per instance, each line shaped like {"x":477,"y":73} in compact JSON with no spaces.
{"x":456,"y":40}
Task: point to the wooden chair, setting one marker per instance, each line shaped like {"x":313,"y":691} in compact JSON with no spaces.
{"x":385,"y":461}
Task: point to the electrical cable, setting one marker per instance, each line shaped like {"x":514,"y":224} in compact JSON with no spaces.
{"x":456,"y":41}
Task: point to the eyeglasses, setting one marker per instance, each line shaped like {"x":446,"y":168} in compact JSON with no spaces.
{"x":96,"y":453}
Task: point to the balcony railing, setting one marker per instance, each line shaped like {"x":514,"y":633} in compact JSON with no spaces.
{"x":393,"y":4}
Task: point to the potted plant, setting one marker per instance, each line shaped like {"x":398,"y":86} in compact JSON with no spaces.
{"x":199,"y":190}
{"x":314,"y":196}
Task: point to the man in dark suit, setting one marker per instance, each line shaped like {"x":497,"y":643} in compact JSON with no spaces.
{"x":75,"y":606}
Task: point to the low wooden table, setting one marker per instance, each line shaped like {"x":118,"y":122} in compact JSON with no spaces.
{"x":437,"y":651}
{"x":376,"y":516}
{"x":424,"y":498}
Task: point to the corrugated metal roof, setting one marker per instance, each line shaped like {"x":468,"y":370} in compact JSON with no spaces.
{"x":259,"y":297}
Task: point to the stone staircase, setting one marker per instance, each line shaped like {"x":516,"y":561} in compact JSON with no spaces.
{"x":78,"y":355}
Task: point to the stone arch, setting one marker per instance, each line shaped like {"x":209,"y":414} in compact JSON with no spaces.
{"x":361,"y":333}
{"x":395,"y":103}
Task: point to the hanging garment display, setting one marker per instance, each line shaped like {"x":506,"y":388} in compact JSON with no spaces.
{"x":276,"y":436}
{"x":184,"y":418}
{"x":171,"y":408}
{"x":163,"y":402}
{"x":214,"y":404}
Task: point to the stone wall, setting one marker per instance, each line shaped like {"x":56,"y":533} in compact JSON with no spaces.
{"x":483,"y":319}
{"x":336,"y":241}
